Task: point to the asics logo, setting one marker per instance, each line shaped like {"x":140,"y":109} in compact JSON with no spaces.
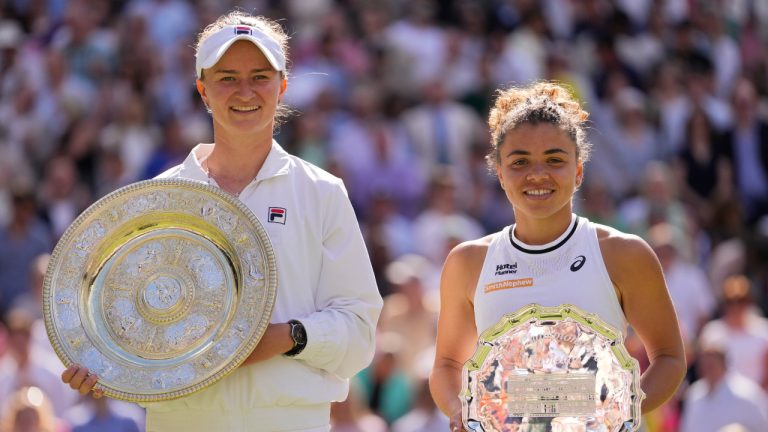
{"x":578,"y":263}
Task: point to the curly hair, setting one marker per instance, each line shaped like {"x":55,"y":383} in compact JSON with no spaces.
{"x":542,"y":102}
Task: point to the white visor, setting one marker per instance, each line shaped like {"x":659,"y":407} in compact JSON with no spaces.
{"x":217,"y":44}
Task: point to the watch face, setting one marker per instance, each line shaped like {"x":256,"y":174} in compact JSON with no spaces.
{"x":301,"y":334}
{"x":298,"y":333}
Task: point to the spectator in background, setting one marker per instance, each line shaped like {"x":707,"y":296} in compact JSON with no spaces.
{"x":657,"y":203}
{"x":688,"y":286}
{"x":24,"y":127}
{"x":62,"y":194}
{"x":704,"y":174}
{"x":354,"y":415}
{"x":27,"y":410}
{"x":724,"y":49}
{"x":742,"y":330}
{"x":595,"y":202}
{"x":374,"y":152}
{"x":722,"y":396}
{"x":103,"y":418}
{"x":747,"y":147}
{"x":30,"y":303}
{"x":385,"y":385}
{"x":169,"y":22}
{"x":410,"y":311}
{"x":425,"y":416}
{"x":636,"y":141}
{"x":426,"y":59}
{"x":132,"y":136}
{"x":83,"y":43}
{"x":21,"y":241}
{"x":524,"y":56}
{"x":443,"y":222}
{"x":388,"y":234}
{"x":443,"y":133}
{"x":22,"y":365}
{"x":671,"y":105}
{"x":177,"y":140}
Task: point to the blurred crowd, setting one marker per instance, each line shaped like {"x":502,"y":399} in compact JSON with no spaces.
{"x":393,"y":97}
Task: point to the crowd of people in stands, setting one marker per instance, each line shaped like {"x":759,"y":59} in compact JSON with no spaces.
{"x":393,"y":97}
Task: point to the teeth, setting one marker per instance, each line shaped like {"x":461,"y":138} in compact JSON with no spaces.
{"x":245,"y":108}
{"x":538,"y":192}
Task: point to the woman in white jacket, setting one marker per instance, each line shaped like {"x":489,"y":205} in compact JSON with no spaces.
{"x":327,"y":305}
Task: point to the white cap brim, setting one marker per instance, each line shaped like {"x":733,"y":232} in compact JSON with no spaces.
{"x":214,"y":47}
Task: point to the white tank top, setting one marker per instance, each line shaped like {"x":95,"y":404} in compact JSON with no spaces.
{"x":569,"y":270}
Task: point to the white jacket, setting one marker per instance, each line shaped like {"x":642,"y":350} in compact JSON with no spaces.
{"x":325,"y":280}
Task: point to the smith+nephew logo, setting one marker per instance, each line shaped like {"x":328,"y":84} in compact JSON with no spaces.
{"x":502,"y":269}
{"x":276,"y":215}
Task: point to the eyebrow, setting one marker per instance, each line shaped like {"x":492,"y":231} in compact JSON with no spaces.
{"x":527,"y":153}
{"x":235,"y":72}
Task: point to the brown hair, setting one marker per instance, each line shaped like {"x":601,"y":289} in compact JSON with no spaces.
{"x":542,"y":102}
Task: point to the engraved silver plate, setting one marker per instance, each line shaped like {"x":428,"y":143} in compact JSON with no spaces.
{"x":556,"y":369}
{"x":161,"y":288}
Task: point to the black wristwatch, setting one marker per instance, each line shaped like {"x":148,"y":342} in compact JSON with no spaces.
{"x":299,"y":336}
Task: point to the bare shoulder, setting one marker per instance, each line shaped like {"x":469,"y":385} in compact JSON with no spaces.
{"x":620,"y":246}
{"x":628,"y":259}
{"x":470,"y":251}
{"x":463,"y":265}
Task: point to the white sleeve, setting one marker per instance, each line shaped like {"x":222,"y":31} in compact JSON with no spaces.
{"x":340,"y":335}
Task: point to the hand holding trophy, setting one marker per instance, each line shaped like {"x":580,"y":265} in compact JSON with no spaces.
{"x":551,"y":294}
{"x":160,"y":289}
{"x":558,"y":368}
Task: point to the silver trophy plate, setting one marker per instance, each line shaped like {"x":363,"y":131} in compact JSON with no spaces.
{"x":551,"y":369}
{"x":161,"y":288}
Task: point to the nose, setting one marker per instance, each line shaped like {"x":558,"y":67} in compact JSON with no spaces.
{"x":537,"y":171}
{"x":245,"y":90}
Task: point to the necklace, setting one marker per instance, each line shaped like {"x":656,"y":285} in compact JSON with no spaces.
{"x":212,"y":180}
{"x":207,"y":170}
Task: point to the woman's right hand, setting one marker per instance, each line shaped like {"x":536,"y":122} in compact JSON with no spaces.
{"x":81,"y":380}
{"x":456,"y":424}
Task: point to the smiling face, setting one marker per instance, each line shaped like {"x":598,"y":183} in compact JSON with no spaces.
{"x":539,"y":171}
{"x":242,"y":91}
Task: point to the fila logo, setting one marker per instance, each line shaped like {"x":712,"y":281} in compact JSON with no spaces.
{"x":276,"y":215}
{"x":578,"y":263}
{"x":243,"y":30}
{"x":502,"y":269}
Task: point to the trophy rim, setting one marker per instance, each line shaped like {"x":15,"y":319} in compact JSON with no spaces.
{"x":538,"y":313}
{"x":243,"y":350}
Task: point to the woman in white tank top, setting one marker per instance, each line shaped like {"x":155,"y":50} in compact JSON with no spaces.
{"x":550,"y":256}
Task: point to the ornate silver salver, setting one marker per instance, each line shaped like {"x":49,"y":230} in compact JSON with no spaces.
{"x":555,"y":369}
{"x":161,"y":288}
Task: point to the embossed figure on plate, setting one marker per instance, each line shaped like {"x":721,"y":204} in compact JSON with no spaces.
{"x":152,"y":289}
{"x":551,"y":369}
